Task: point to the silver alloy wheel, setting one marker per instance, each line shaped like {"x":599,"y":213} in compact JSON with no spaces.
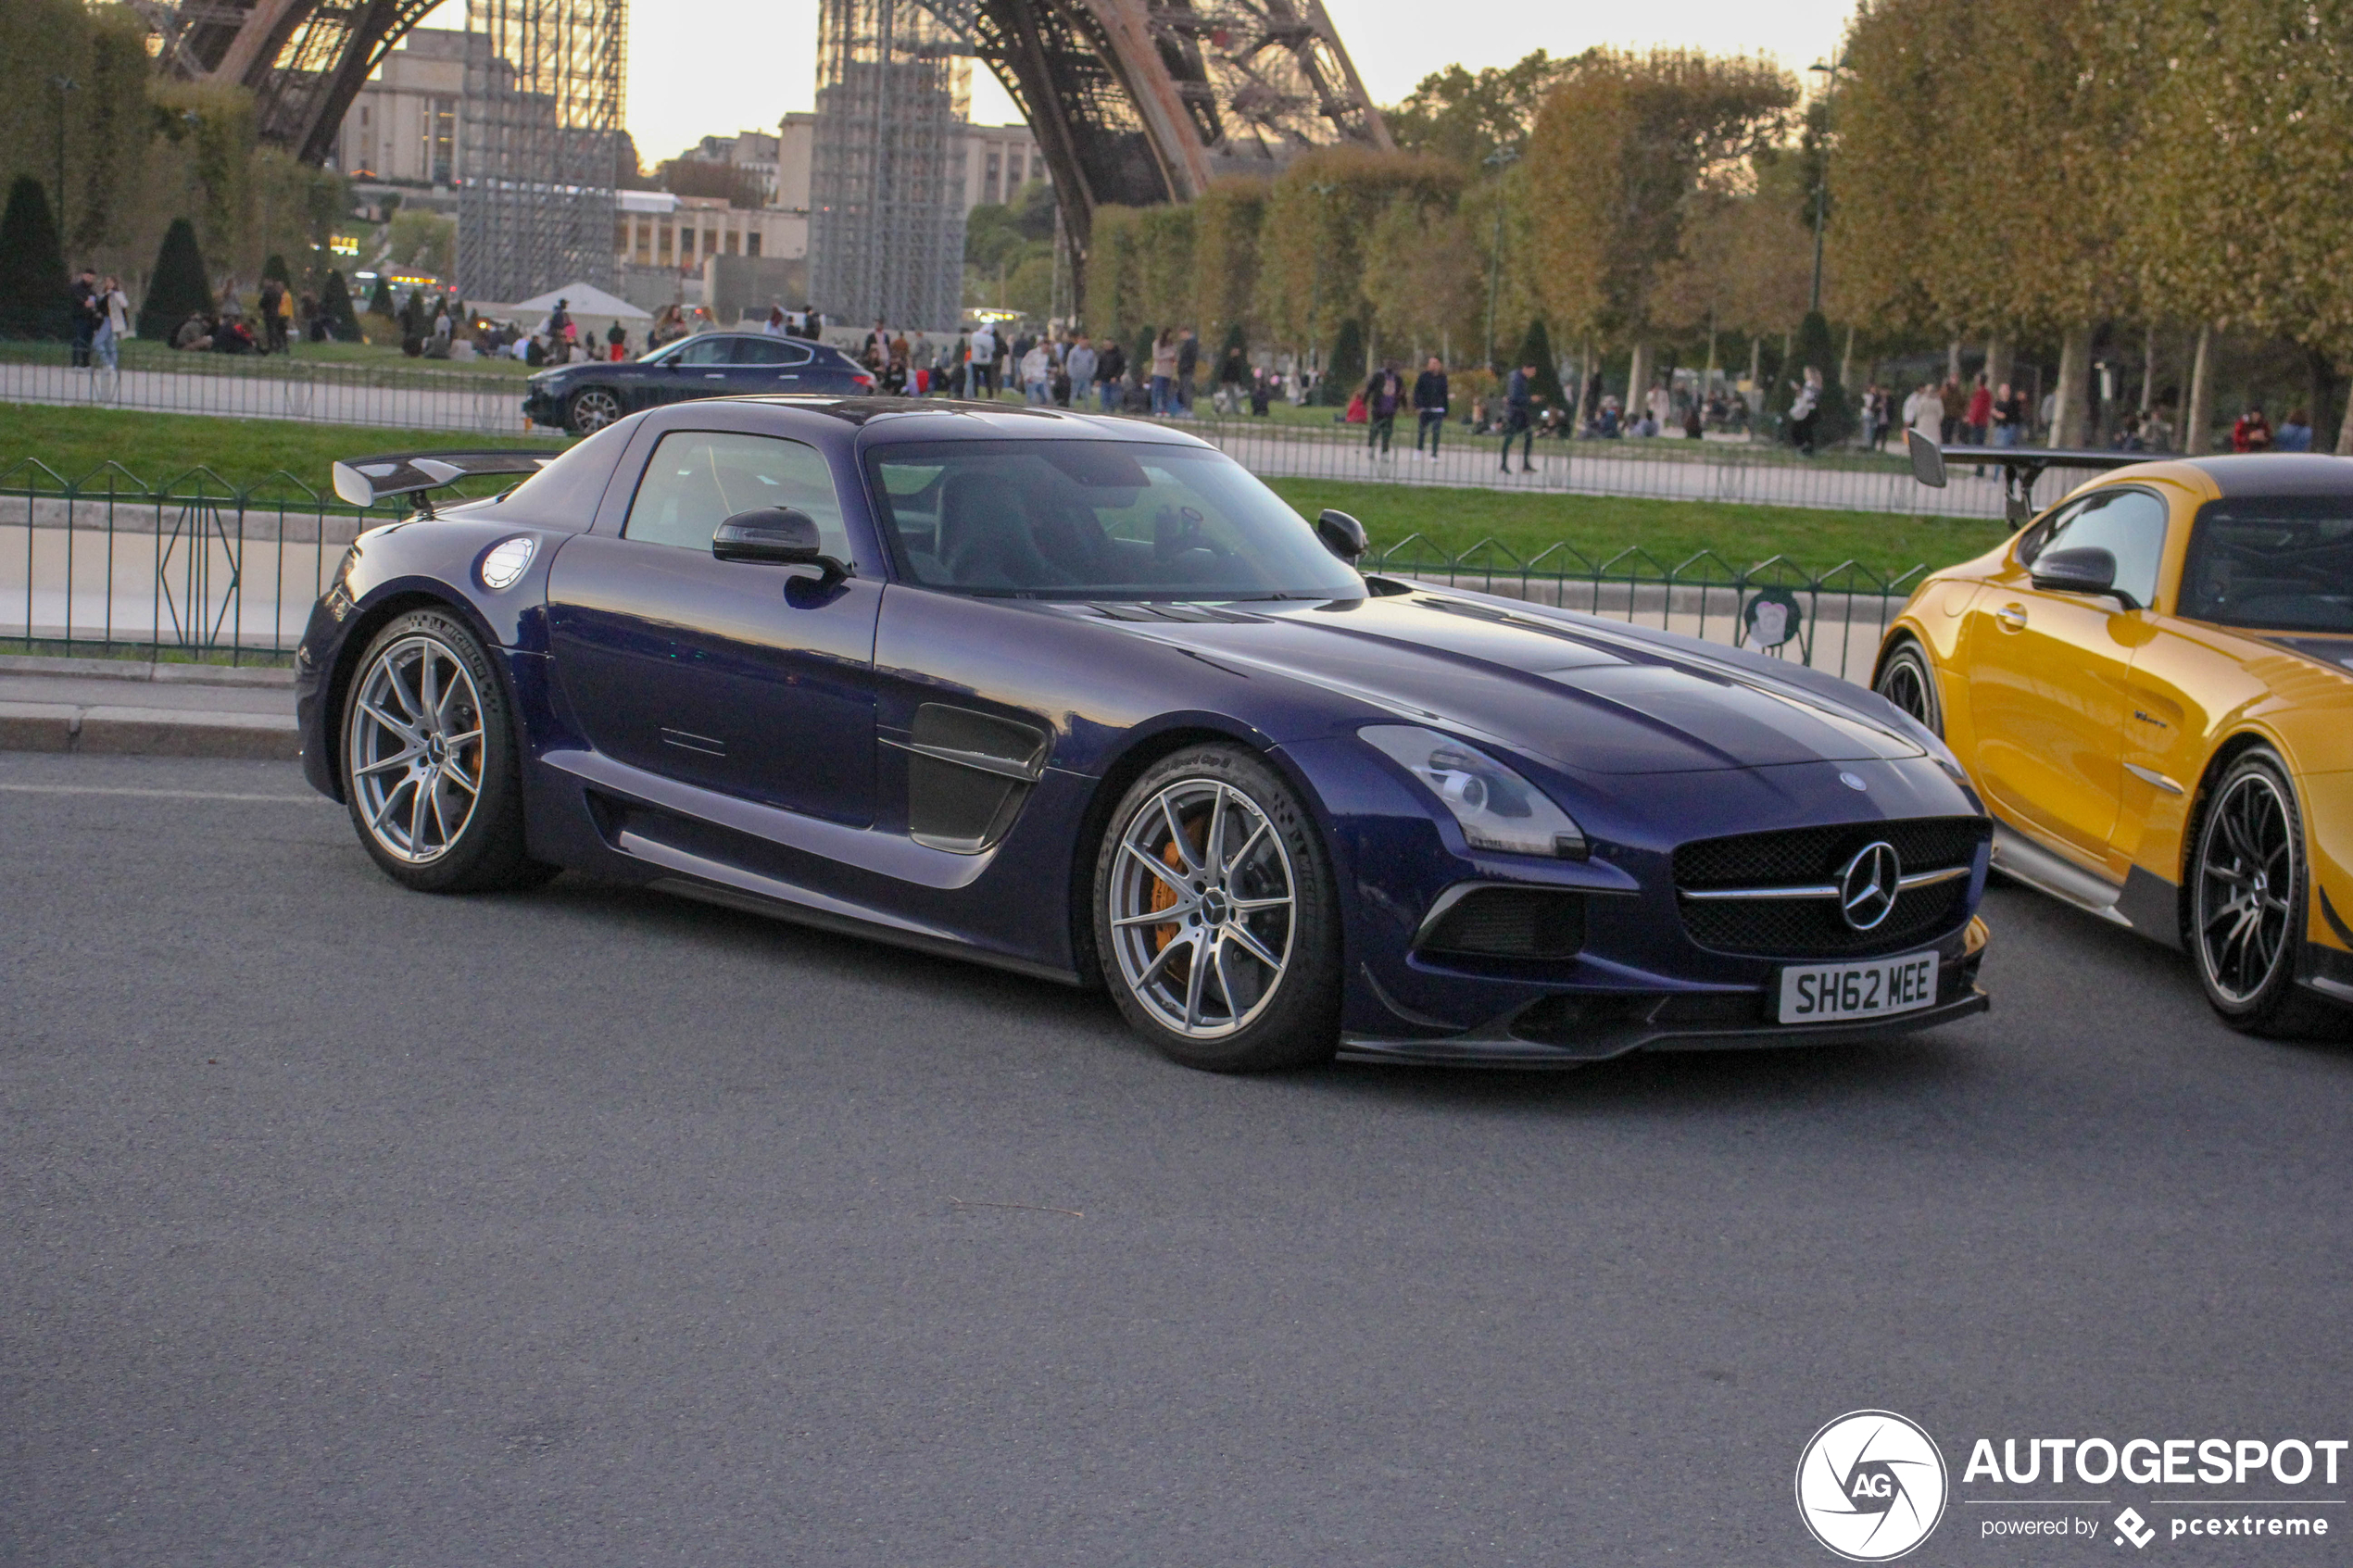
{"x":2245,"y":887}
{"x":414,"y":749}
{"x":593,"y":409}
{"x":1203,"y":907}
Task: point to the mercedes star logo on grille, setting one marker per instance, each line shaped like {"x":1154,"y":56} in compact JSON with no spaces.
{"x":1867,"y":887}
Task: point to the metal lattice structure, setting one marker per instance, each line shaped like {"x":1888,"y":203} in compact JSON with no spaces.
{"x":885,"y":208}
{"x":539,"y":140}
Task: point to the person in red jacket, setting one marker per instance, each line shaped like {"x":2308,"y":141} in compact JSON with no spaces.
{"x":1980,"y":412}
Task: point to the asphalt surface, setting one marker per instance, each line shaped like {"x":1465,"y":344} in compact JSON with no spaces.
{"x":347,"y":1225}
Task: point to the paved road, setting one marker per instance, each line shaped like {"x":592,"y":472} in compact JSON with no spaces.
{"x":349,"y":1227}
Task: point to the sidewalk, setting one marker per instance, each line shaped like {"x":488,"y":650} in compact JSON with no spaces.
{"x":100,"y":705}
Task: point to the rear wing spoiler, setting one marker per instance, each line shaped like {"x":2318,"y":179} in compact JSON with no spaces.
{"x":365,"y":481}
{"x":2021,"y":466}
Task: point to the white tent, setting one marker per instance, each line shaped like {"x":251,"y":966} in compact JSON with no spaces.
{"x":585,"y":299}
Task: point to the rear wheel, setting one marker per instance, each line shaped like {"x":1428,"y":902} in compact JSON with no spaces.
{"x":2245,"y":906}
{"x":1215,"y":916}
{"x":591,"y":409}
{"x":431,"y":768}
{"x":1908,"y":681}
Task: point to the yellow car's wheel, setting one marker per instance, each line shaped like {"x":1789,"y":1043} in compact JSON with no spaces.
{"x":1907,"y":680}
{"x":2245,"y":902}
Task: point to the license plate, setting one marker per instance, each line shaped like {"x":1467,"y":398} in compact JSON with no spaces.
{"x":1833,"y":993}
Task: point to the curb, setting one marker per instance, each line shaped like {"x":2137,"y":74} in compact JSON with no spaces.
{"x":147,"y":731}
{"x":139,"y":670}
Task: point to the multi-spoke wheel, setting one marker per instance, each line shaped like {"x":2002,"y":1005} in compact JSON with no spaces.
{"x":1214,"y":915}
{"x":2244,"y":909}
{"x":591,"y":409}
{"x":1906,"y":680}
{"x":429,"y":760}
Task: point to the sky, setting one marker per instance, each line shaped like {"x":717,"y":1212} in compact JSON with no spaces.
{"x":701,"y":68}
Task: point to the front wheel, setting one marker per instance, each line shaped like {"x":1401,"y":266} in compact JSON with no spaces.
{"x":1908,"y":681}
{"x":591,"y":409}
{"x":1215,"y":916}
{"x":430,"y":767}
{"x":2245,"y":906}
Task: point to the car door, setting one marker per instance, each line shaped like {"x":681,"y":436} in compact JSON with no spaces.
{"x":698,"y":369}
{"x":727,"y":675}
{"x":767,"y":364}
{"x":2048,"y":672}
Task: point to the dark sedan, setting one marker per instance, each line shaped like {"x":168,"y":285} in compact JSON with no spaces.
{"x":585,"y":399}
{"x":1081,"y":698}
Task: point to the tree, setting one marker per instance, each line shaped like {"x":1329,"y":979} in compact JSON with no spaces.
{"x":36,"y":299}
{"x":1834,"y":420}
{"x":274,"y":270}
{"x":1347,"y":372}
{"x":1319,"y":215}
{"x":1536,"y":348}
{"x":380,"y":300}
{"x":177,"y":289}
{"x":334,"y":302}
{"x":1228,"y":223}
{"x":1464,"y":117}
{"x":1421,"y":275}
{"x":421,"y":240}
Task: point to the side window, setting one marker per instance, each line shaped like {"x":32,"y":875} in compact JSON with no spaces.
{"x":795,"y":353}
{"x":697,"y":479}
{"x":707,"y":351}
{"x":2128,"y":524}
{"x":758,"y":351}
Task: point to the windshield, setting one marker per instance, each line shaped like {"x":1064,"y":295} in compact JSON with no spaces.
{"x":1096,"y":520}
{"x":2283,"y":564}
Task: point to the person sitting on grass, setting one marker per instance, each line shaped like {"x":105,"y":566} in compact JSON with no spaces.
{"x":195,"y":334}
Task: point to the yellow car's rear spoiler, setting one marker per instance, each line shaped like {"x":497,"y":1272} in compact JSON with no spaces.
{"x":2021,"y":466}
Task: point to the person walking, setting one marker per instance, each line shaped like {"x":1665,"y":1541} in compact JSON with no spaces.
{"x":1188,"y":370}
{"x":1980,"y":416}
{"x":1383,"y":391}
{"x":1111,"y":369}
{"x":1430,"y":406}
{"x":1519,"y":403}
{"x":1165,"y":371}
{"x":2009,"y":415}
{"x":1803,"y":409}
{"x":114,"y":323}
{"x":85,"y":317}
{"x":1924,"y":412}
{"x":1080,"y":363}
{"x":1037,"y":369}
{"x":617,"y":340}
{"x":1956,"y":405}
{"x":982,"y":366}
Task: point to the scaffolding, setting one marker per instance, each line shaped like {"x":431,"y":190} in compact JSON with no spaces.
{"x":886,"y":187}
{"x":540,"y":144}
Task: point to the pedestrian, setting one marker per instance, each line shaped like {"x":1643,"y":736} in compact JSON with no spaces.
{"x":1187,"y":369}
{"x":617,"y":339}
{"x":2253,"y":432}
{"x":559,"y":320}
{"x":1430,"y":406}
{"x":1980,"y":415}
{"x":1233,"y":380}
{"x":1924,"y":413}
{"x":113,"y":324}
{"x":1110,"y":370}
{"x":1956,"y":405}
{"x":1519,"y":400}
{"x":1383,"y":391}
{"x":1803,"y":409}
{"x":1037,"y":370}
{"x":876,"y":349}
{"x":85,"y":315}
{"x":1660,"y":406}
{"x":982,"y":366}
{"x":1081,"y":364}
{"x":1165,"y":371}
{"x":2295,"y":433}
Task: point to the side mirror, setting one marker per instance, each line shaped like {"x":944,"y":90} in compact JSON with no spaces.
{"x":2084,"y":571}
{"x":775,"y":536}
{"x":1927,"y":459}
{"x":1341,"y":534}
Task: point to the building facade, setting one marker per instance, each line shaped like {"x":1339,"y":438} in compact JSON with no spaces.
{"x":406,"y":127}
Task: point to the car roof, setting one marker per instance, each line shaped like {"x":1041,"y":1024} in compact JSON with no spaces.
{"x":897,"y":420}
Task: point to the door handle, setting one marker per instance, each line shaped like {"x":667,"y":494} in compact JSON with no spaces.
{"x":2012,"y":617}
{"x":714,"y":375}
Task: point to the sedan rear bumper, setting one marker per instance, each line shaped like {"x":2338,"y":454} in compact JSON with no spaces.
{"x":1501,"y":1044}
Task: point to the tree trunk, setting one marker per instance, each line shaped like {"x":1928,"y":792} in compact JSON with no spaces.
{"x":1997,"y":361}
{"x":1953,"y":360}
{"x":1756,"y":398}
{"x":2198,"y":418}
{"x":2345,"y":431}
{"x":1637,"y":380}
{"x":1578,"y":412}
{"x":2070,"y":420}
{"x":2148,"y":372}
{"x":1846,"y":359}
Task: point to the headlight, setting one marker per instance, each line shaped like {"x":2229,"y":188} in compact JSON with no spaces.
{"x":1496,"y":808}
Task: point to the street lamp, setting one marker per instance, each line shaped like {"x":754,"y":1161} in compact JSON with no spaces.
{"x":1501,"y":159}
{"x":1822,"y":172}
{"x":64,"y":84}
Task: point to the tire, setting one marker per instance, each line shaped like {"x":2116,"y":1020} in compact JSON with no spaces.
{"x":1265,"y":914}
{"x":2245,"y":903}
{"x":1908,"y":680}
{"x":431,"y":768}
{"x":591,"y":409}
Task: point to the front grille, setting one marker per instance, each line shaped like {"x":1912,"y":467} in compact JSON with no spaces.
{"x":1811,"y":928}
{"x":1511,"y":922}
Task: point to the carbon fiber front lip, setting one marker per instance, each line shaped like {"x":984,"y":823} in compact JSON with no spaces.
{"x":1500,"y":1048}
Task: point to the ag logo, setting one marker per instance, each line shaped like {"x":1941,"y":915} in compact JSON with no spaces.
{"x":1870,"y":1486}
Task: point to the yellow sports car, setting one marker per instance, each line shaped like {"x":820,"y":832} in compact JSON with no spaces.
{"x":2151,"y":685}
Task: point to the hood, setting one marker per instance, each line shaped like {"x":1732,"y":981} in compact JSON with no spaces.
{"x":1589,"y":695}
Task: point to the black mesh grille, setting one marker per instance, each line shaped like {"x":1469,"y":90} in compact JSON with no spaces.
{"x":1811,"y":928}
{"x":1511,"y":922}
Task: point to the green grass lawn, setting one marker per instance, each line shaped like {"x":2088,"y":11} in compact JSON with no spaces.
{"x":139,"y":354}
{"x":159,"y":449}
{"x":1670,"y":532}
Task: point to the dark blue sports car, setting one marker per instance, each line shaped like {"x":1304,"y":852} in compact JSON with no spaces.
{"x":585,"y":399}
{"x":1082,"y":699}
